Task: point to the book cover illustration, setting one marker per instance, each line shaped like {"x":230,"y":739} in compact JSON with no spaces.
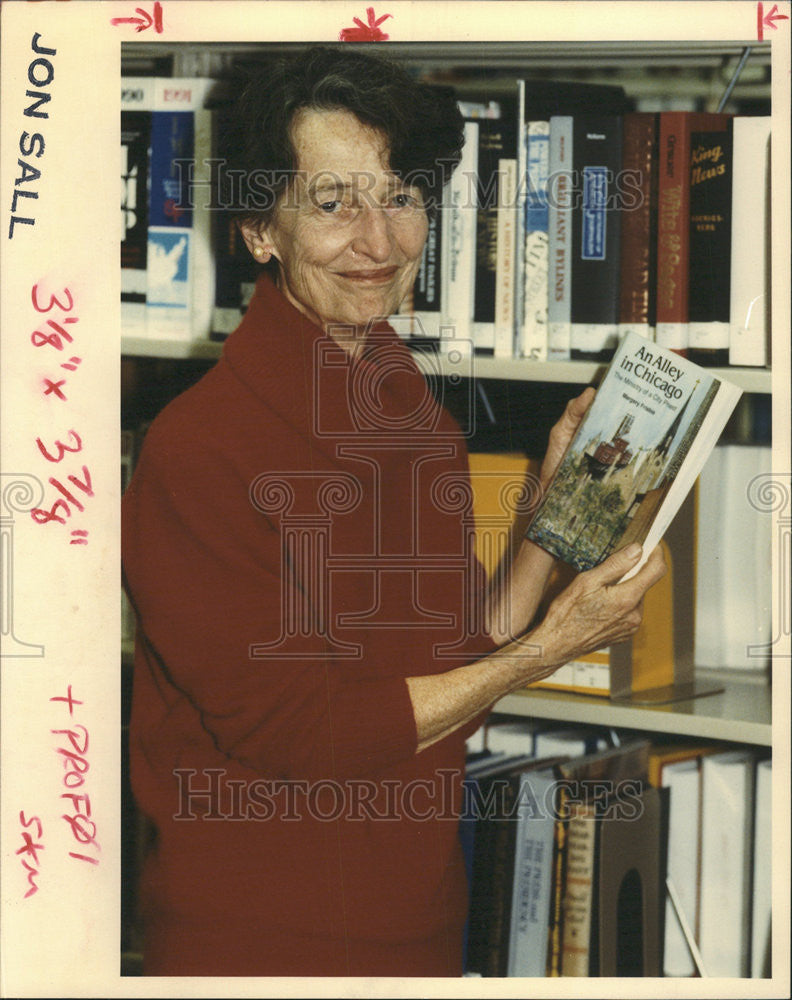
{"x":626,"y":455}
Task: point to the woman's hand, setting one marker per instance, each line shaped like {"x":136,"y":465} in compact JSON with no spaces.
{"x":596,"y":610}
{"x":562,"y":433}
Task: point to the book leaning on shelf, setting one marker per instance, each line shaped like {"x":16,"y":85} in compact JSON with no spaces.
{"x":167,"y":270}
{"x":636,"y":455}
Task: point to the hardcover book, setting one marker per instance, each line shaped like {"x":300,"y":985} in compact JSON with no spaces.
{"x":635,"y":456}
{"x":710,"y":246}
{"x":596,"y":236}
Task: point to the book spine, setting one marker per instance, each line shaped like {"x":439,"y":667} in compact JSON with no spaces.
{"x":710,"y":247}
{"x":637,"y":191}
{"x":556,"y":929}
{"x":460,"y":242}
{"x":597,"y":155}
{"x":504,"y":274}
{"x":136,"y":108}
{"x":531,"y":895}
{"x":202,"y":278}
{"x":749,"y":320}
{"x":533,"y":339}
{"x":559,"y":224}
{"x":673,"y":209}
{"x":578,"y":893}
{"x":494,"y":142}
{"x":522,"y":167}
{"x":673,"y":222}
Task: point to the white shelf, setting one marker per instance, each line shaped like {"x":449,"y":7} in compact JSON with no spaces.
{"x":198,"y":348}
{"x":581,"y":372}
{"x":481,"y":365}
{"x":741,"y":714}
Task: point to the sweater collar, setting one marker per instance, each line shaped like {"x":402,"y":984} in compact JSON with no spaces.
{"x":303,"y":375}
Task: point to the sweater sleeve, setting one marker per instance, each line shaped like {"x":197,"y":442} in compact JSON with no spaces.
{"x":203,"y":571}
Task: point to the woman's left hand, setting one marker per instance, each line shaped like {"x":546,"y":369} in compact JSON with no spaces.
{"x":562,"y":433}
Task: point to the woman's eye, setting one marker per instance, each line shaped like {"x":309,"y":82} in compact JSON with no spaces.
{"x":330,"y":206}
{"x":403,"y":201}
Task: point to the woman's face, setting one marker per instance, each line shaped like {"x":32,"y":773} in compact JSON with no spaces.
{"x":348,"y":233}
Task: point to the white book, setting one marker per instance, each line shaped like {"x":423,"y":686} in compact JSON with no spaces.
{"x":459,"y":244}
{"x":683,"y":778}
{"x":180,"y":285}
{"x":505,"y":277}
{"x":533,"y":874}
{"x":533,"y":326}
{"x":733,"y":619}
{"x":559,"y":234}
{"x":749,"y":328}
{"x":761,"y":923}
{"x":726,"y":862}
{"x":507,"y":736}
{"x":567,"y":742}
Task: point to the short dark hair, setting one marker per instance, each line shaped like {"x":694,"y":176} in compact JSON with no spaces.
{"x":422,"y":125}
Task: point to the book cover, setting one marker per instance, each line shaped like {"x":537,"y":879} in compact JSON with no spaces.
{"x":496,"y":142}
{"x":505,"y":278}
{"x":559,"y":239}
{"x":673,"y":222}
{"x":710,"y":247}
{"x":629,"y":885}
{"x":638,"y":194}
{"x":636,"y":454}
{"x":180,"y":277}
{"x":459,"y":242}
{"x":596,"y":235}
{"x":726,"y":862}
{"x":533,"y":332}
{"x":135,"y":150}
{"x":749,"y":311}
{"x":533,"y":874}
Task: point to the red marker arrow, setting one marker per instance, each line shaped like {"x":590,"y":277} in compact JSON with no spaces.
{"x":144,"y":21}
{"x":767,"y":20}
{"x":370,"y":32}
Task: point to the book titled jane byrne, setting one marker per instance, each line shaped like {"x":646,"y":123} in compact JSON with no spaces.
{"x":653,"y":422}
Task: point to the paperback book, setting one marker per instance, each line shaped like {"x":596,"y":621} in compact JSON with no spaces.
{"x":637,"y":453}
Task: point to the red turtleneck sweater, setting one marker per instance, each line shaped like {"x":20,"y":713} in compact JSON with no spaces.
{"x":296,"y":542}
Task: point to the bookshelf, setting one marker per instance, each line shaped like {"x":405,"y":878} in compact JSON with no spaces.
{"x":741,"y":714}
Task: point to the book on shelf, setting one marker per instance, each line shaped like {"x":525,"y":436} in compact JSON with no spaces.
{"x":635,"y":456}
{"x":637,"y":189}
{"x":629,"y":886}
{"x":673,"y":223}
{"x":727,"y":819}
{"x":678,"y":768}
{"x":559,"y":239}
{"x":709,"y":281}
{"x":176,"y":274}
{"x":596,"y":234}
{"x":734,"y":543}
{"x":496,"y":143}
{"x":533,"y":324}
{"x":506,"y":257}
{"x":749,"y":308}
{"x":542,"y":100}
{"x":761,"y":917}
{"x":459,"y":218}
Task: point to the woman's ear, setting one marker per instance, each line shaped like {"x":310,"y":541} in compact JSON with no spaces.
{"x":255,"y":236}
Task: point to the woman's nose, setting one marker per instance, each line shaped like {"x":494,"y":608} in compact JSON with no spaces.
{"x":373,"y":233}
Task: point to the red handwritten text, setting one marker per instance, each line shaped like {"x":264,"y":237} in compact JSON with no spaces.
{"x":31,"y":845}
{"x":73,"y":752}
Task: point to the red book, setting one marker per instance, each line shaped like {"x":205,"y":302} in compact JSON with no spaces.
{"x":673,"y":222}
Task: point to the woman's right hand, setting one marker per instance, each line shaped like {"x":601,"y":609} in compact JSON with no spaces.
{"x":595,"y":610}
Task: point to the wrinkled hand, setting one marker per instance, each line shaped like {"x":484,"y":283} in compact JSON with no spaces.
{"x":562,"y":433}
{"x":596,"y":610}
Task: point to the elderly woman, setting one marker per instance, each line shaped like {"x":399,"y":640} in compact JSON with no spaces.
{"x":314,"y":640}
